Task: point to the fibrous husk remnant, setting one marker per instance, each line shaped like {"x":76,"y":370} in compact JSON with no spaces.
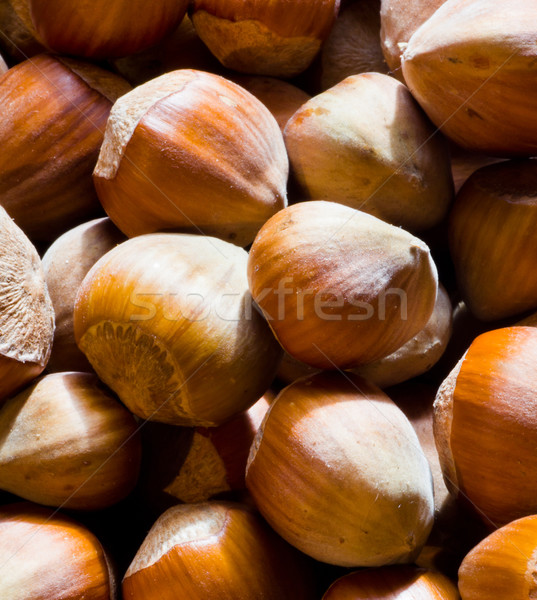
{"x":26,"y":312}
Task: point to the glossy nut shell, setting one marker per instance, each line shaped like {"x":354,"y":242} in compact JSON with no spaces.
{"x":192,"y":151}
{"x":340,"y":287}
{"x":337,"y":470}
{"x":166,"y":321}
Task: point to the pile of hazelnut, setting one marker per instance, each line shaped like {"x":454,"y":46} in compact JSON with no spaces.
{"x":268,"y":298}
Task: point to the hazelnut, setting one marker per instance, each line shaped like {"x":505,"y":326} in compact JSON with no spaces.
{"x":282,"y":98}
{"x":367,"y":144}
{"x":26,"y":312}
{"x":192,"y":151}
{"x":472,"y":70}
{"x":340,"y":287}
{"x":264,"y":37}
{"x":414,"y":358}
{"x":399,"y":20}
{"x":51,"y":127}
{"x":419,"y":354}
{"x":215,"y":550}
{"x":65,"y":264}
{"x":393,"y":583}
{"x":492,"y":241}
{"x":44,"y":554}
{"x":167,"y":322}
{"x":503,"y":564}
{"x":337,"y":470}
{"x":18,"y":40}
{"x":486,"y":428}
{"x":66,"y":441}
{"x":101,"y":29}
{"x":352,"y":47}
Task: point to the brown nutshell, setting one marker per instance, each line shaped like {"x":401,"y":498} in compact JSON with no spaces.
{"x":192,"y":151}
